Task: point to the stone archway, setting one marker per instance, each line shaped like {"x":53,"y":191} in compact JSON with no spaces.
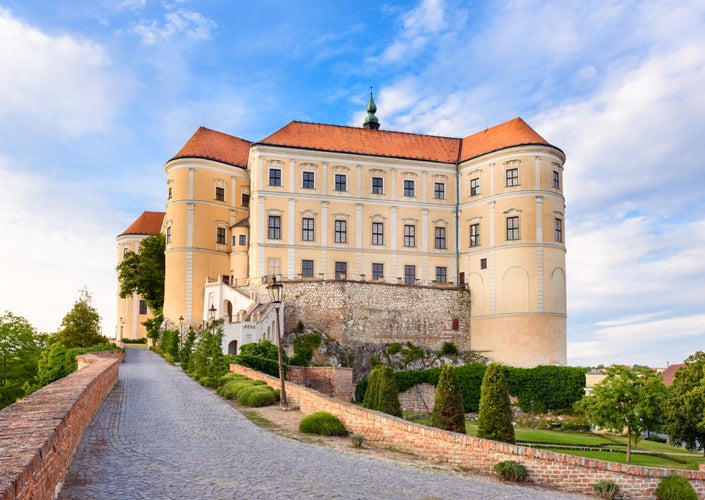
{"x":232,"y":347}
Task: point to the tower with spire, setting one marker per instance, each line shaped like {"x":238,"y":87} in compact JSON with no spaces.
{"x":371,"y":120}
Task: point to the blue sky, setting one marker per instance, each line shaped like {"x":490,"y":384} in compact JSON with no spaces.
{"x":98,"y":95}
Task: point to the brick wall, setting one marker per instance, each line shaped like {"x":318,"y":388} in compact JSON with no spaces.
{"x":330,"y":380}
{"x":39,"y":434}
{"x":380,"y":312}
{"x":569,"y":473}
{"x":419,"y":399}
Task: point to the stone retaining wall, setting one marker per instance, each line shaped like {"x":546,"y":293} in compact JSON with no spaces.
{"x":331,"y":381}
{"x":39,"y":434}
{"x":566,"y":472}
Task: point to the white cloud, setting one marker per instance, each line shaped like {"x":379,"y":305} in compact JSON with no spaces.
{"x":55,"y":241}
{"x":420,"y":24}
{"x":63,"y":83}
{"x":183,"y":22}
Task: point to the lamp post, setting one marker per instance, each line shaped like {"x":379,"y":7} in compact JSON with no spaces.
{"x":181,"y":330}
{"x":275,"y":294}
{"x":532,"y":414}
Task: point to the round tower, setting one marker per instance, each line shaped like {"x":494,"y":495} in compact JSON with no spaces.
{"x":207,"y":186}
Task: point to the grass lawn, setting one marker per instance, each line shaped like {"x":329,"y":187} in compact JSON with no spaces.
{"x":670,"y":457}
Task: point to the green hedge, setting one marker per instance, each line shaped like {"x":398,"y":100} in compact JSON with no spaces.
{"x":264,"y":365}
{"x":550,"y":387}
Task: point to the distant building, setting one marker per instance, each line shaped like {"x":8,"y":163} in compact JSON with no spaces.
{"x":669,"y":374}
{"x":132,"y":311}
{"x":484,"y":214}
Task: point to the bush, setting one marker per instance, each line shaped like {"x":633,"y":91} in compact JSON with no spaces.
{"x":168,"y":357}
{"x":448,"y":411}
{"x":257,"y":395}
{"x":143,"y":340}
{"x":304,"y":347}
{"x":208,"y":381}
{"x":449,"y":349}
{"x":675,"y":488}
{"x":656,"y":439}
{"x":322,"y":424}
{"x":382,"y":394}
{"x":263,"y":349}
{"x":264,"y":365}
{"x":509,"y":470}
{"x":495,"y":418}
{"x":393,"y":348}
{"x":357,"y":440}
{"x":606,"y":489}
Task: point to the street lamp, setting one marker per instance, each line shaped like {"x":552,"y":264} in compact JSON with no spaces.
{"x":275,"y":294}
{"x":181,"y":330}
{"x":211,"y":313}
{"x":532,"y":414}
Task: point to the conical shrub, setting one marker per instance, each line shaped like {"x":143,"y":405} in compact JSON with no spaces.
{"x":388,"y":394}
{"x":495,"y":417}
{"x":448,"y":413}
{"x":371,"y":394}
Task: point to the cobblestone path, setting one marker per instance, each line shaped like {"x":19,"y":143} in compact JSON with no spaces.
{"x":159,"y":435}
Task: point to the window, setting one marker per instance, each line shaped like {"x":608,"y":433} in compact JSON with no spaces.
{"x":307,"y":229}
{"x":220,"y":235}
{"x":377,"y":271}
{"x":556,"y":179}
{"x":274,"y":267}
{"x":307,"y":268}
{"x":409,"y":275}
{"x":474,"y":186}
{"x":275,"y":227}
{"x":242,"y":240}
{"x":439,"y":190}
{"x":341,"y":270}
{"x":341,"y":182}
{"x":409,"y":188}
{"x":341,"y":230}
{"x":483,"y":263}
{"x":127,"y":249}
{"x":558,"y":224}
{"x":143,"y":307}
{"x":409,"y":235}
{"x":512,"y":175}
{"x":512,"y":228}
{"x":440,"y":237}
{"x":441,"y":275}
{"x":377,"y":185}
{"x":169,"y":193}
{"x":168,"y":235}
{"x":220,"y":193}
{"x":377,"y":233}
{"x":245,"y":199}
{"x":308,"y":180}
{"x":475,"y":235}
{"x":275,"y":177}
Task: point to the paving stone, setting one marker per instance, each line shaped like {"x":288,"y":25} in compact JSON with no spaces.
{"x":159,"y":435}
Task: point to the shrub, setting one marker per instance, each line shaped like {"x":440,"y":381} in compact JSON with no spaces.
{"x":675,"y":488}
{"x":495,"y":417}
{"x":357,"y":440}
{"x":606,"y":489}
{"x":382,"y":394}
{"x":370,"y":399}
{"x":257,"y":395}
{"x":323,"y":424}
{"x":656,"y":439}
{"x":393,"y":348}
{"x":509,"y":470}
{"x":449,"y":349}
{"x":264,"y":349}
{"x":208,"y":381}
{"x":304,"y":347}
{"x":168,"y":357}
{"x":448,"y":411}
{"x":264,"y":365}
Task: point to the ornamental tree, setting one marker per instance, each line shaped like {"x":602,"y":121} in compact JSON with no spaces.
{"x":684,"y":410}
{"x":494,"y":420}
{"x":143,"y":272}
{"x":448,"y":413}
{"x":81,"y":325}
{"x":20,"y":347}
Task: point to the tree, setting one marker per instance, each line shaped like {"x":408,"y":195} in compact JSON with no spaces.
{"x":382,"y":393}
{"x":20,"y":347}
{"x":81,"y":325}
{"x":494,"y":420}
{"x":684,"y":410}
{"x":55,"y":362}
{"x":623,"y":400}
{"x":650,"y":407}
{"x":143,"y":272}
{"x":448,"y":412}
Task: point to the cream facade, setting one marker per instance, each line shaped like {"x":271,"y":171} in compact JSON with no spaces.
{"x":322,"y":202}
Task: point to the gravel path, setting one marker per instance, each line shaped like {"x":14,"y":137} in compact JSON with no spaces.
{"x":159,"y":435}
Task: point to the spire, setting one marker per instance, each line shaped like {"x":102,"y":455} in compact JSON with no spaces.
{"x":371,"y":120}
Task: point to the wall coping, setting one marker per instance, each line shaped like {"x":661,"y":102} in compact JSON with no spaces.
{"x":40,"y":433}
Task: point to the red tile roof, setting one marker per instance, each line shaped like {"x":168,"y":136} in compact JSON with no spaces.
{"x":212,"y":145}
{"x":341,"y":139}
{"x":147,"y":223}
{"x":670,"y":373}
{"x":512,"y":133}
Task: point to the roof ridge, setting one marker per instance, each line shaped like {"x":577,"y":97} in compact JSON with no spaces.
{"x":353,"y":127}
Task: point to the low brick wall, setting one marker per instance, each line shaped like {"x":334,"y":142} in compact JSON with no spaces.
{"x":419,"y":398}
{"x":331,"y":381}
{"x":39,"y":434}
{"x":568,"y":473}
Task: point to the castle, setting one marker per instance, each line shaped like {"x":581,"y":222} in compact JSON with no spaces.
{"x":390,"y":214}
